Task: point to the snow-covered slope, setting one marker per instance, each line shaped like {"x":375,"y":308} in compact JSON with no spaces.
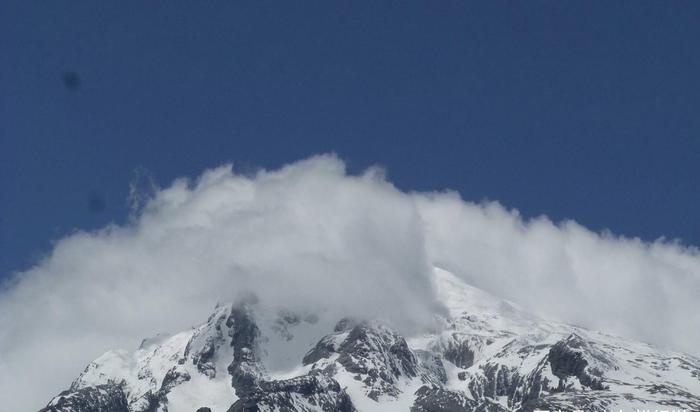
{"x":496,"y":351}
{"x":486,"y":355}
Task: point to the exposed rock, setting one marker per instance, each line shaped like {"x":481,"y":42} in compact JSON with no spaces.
{"x":245,"y":370}
{"x":103,"y":398}
{"x":433,"y":368}
{"x":379,"y":356}
{"x":297,"y":394}
{"x":459,"y":353}
{"x":434,"y":399}
{"x":567,"y":359}
{"x":173,"y":378}
{"x":323,"y":349}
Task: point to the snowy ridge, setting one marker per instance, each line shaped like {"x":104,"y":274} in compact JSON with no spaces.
{"x":487,"y":354}
{"x":173,"y":368}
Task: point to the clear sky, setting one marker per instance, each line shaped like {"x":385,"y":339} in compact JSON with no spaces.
{"x":582,"y":110}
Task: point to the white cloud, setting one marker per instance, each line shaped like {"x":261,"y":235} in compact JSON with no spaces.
{"x":311,"y":237}
{"x":648,"y":291}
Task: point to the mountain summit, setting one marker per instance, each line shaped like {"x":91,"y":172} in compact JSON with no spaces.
{"x":486,"y":354}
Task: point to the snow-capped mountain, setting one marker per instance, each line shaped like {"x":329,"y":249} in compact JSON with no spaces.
{"x":486,"y":355}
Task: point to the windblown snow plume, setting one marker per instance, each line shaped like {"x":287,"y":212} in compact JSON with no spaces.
{"x":311,"y":238}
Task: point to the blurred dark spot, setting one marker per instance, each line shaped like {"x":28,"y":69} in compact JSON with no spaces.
{"x":96,"y":202}
{"x":71,"y":80}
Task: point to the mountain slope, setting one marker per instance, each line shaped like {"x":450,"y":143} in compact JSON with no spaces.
{"x":485,"y":355}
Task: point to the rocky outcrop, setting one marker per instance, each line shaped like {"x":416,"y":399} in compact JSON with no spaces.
{"x":103,"y":398}
{"x":203,"y":348}
{"x":310,"y":392}
{"x":433,"y":369}
{"x":567,"y":358}
{"x":245,"y":370}
{"x":327,"y":346}
{"x":459,"y":353}
{"x":435,"y":399}
{"x":372,"y":352}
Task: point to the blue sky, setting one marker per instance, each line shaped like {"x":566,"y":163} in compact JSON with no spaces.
{"x":575,"y":110}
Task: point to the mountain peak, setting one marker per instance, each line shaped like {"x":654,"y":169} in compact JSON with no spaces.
{"x":486,"y":354}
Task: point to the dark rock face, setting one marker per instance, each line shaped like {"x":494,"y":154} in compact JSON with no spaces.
{"x":379,"y":354}
{"x":293,"y":394}
{"x":566,"y":359}
{"x":323,"y":349}
{"x":434,"y":369}
{"x":255,"y":392}
{"x":357,"y":352}
{"x":244,"y":331}
{"x":441,"y":400}
{"x":173,"y":378}
{"x":204,"y":409}
{"x":435,"y":399}
{"x":103,"y":398}
{"x":490,"y":406}
{"x":245,"y":370}
{"x":460,"y":354}
{"x":375,"y":354}
{"x":591,"y":401}
{"x":501,"y":381}
{"x":497,"y":380}
{"x":204,"y":360}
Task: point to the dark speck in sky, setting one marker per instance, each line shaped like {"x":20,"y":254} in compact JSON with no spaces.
{"x":96,"y":202}
{"x":71,"y":80}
